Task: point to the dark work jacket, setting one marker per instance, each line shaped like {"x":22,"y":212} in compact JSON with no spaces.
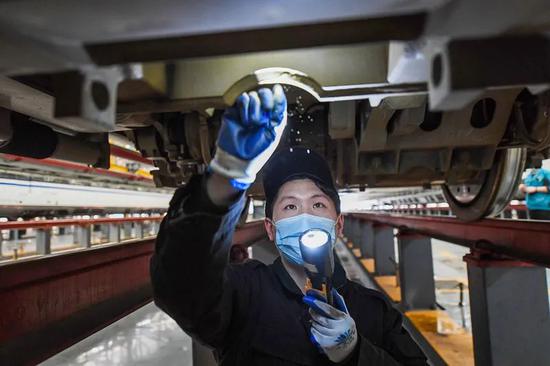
{"x":252,"y":313}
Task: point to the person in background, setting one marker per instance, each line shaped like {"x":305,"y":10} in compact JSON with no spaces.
{"x":536,"y":187}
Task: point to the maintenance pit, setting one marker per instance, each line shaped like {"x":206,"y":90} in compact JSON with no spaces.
{"x":433,"y":117}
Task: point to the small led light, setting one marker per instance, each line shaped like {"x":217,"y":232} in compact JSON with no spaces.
{"x":314,"y":238}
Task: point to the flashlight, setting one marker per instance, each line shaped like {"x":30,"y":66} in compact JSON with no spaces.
{"x":316,"y":248}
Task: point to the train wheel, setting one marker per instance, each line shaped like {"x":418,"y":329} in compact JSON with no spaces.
{"x":492,"y":192}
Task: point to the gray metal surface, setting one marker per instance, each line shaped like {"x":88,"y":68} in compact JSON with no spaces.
{"x":38,"y":37}
{"x":348,"y":65}
{"x":462,"y":69}
{"x":57,"y":31}
{"x":43,"y":241}
{"x":86,"y":101}
{"x":416,"y":272}
{"x":510,"y":315}
{"x":83,"y":236}
{"x":366,"y":243}
{"x":97,"y":21}
{"x":384,"y":251}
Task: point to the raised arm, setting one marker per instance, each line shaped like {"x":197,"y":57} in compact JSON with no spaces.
{"x":191,"y":279}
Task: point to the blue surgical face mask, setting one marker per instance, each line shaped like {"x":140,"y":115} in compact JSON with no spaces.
{"x":288,"y":232}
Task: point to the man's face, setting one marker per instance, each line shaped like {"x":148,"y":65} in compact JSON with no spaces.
{"x":301,"y":196}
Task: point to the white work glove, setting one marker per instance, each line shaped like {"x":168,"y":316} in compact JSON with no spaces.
{"x":333,"y":330}
{"x":249,"y":134}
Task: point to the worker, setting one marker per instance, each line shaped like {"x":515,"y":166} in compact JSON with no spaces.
{"x":536,"y":187}
{"x":258,"y":314}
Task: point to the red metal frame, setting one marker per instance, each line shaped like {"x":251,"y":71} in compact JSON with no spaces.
{"x":37,"y":294}
{"x":129,"y":154}
{"x":74,"y":166}
{"x":48,"y":224}
{"x":524,"y":240}
{"x":51,"y":302}
{"x":423,"y":207}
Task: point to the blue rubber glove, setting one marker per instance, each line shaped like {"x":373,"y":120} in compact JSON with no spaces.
{"x":333,"y":330}
{"x":250,"y":133}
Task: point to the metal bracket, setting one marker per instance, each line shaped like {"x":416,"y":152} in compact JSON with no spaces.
{"x":462,"y":69}
{"x":87,"y":99}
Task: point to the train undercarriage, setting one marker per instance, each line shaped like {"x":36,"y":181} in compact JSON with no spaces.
{"x":393,"y":96}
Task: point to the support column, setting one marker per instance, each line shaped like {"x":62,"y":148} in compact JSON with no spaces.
{"x":105,"y":229}
{"x":15,"y":234}
{"x":114,"y":233}
{"x":127,"y":228}
{"x":139,"y":227}
{"x":366,"y":242}
{"x":509,"y":310}
{"x":350,"y":229}
{"x":384,"y":252}
{"x":43,"y":241}
{"x":416,"y":273}
{"x":74,"y":230}
{"x":357,"y":233}
{"x":84,"y":236}
{"x":155,"y":227}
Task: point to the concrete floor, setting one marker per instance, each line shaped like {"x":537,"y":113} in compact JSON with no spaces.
{"x":146,"y":337}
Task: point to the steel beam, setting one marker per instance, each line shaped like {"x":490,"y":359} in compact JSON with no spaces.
{"x":267,"y":39}
{"x":104,"y":231}
{"x":367,"y":240}
{"x":354,"y":232}
{"x":129,"y":155}
{"x":114,"y":233}
{"x":61,"y":164}
{"x":384,"y":251}
{"x":348,"y":225}
{"x":510,"y":313}
{"x":127,"y":230}
{"x":524,"y":240}
{"x":139,"y":229}
{"x":154,"y":227}
{"x":83,"y":236}
{"x":416,"y":273}
{"x":462,"y":69}
{"x":43,"y":241}
{"x":49,"y":303}
{"x":43,"y":224}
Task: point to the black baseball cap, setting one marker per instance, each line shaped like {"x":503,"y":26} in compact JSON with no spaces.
{"x":297,"y":163}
